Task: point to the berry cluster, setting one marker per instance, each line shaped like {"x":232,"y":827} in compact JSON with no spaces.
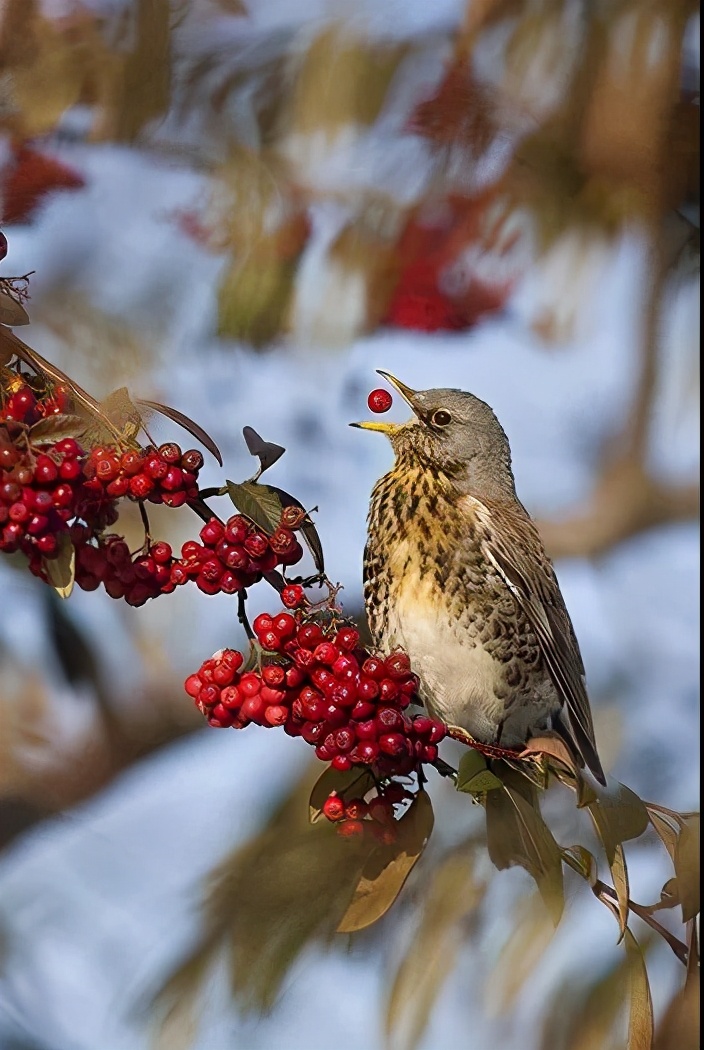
{"x":235,"y":555}
{"x":108,"y":560}
{"x":39,"y":495}
{"x":23,"y":405}
{"x":320,"y":684}
{"x":164,"y":475}
{"x":355,"y":816}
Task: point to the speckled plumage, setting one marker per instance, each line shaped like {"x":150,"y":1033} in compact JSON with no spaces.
{"x":456,"y":574}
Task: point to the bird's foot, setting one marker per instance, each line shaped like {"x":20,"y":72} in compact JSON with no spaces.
{"x":488,"y":750}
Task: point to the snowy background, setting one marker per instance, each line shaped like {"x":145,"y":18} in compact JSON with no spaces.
{"x":100,"y":901}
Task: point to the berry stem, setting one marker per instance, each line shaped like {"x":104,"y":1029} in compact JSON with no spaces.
{"x":242,"y":615}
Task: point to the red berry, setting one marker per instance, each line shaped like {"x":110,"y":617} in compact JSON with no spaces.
{"x":347,"y":638}
{"x":141,"y":486}
{"x":70,"y":470}
{"x":350,"y":829}
{"x":262,"y":623}
{"x":193,"y":685}
{"x":275,"y":714}
{"x":161,"y":552}
{"x":212,"y":532}
{"x":326,"y":653}
{"x":274,"y":675}
{"x":380,"y":401}
{"x":170,"y":452}
{"x":191,"y":460}
{"x":334,"y":807}
{"x":256,"y":545}
{"x":237,"y":529}
{"x":284,"y":625}
{"x":342,"y":763}
{"x":293,"y":596}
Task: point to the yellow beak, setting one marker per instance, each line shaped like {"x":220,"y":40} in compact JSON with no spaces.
{"x":406,"y":393}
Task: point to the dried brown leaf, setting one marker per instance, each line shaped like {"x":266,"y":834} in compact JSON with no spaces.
{"x":61,"y":570}
{"x":453,"y":893}
{"x":56,"y":427}
{"x":686,"y":861}
{"x":518,"y":835}
{"x":388,"y":867}
{"x":267,"y":452}
{"x":640,"y":1010}
{"x":619,"y":815}
{"x":12,"y":313}
{"x":582,"y":861}
{"x":554,"y":748}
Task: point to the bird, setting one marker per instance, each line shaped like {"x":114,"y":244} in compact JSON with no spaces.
{"x":456,"y":575}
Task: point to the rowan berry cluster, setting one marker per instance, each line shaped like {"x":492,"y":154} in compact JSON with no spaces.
{"x":164,"y":475}
{"x":234,"y":555}
{"x":39,"y":494}
{"x":319,"y":683}
{"x":377,"y":816}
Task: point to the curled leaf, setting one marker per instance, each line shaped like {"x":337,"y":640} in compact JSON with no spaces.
{"x":266,"y":451}
{"x":387,"y":869}
{"x":641,"y":1028}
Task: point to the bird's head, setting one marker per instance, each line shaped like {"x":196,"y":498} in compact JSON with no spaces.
{"x":451,"y":432}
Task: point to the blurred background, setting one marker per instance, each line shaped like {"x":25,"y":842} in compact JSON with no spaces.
{"x":242,"y":208}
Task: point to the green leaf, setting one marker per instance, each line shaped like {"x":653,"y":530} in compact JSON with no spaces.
{"x":387,"y":869}
{"x":352,"y":783}
{"x":518,"y":835}
{"x":687,"y":867}
{"x":474,"y":775}
{"x":259,"y":503}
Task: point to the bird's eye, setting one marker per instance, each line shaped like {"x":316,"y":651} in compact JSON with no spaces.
{"x":441,"y":418}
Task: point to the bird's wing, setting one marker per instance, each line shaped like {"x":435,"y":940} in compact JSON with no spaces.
{"x":512,"y":544}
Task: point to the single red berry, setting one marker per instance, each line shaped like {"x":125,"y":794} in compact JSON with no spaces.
{"x":141,"y":486}
{"x":161,"y":552}
{"x":212,"y":532}
{"x":356,"y":809}
{"x":293,"y":596}
{"x":380,"y":401}
{"x":193,"y":685}
{"x":284,"y":625}
{"x":191,"y":460}
{"x":342,"y":763}
{"x":350,"y":829}
{"x":274,"y":675}
{"x":334,"y":807}
{"x":70,"y":470}
{"x":256,"y":545}
{"x":170,"y":452}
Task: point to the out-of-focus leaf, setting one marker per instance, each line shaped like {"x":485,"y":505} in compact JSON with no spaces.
{"x":177,"y":1003}
{"x":680,"y":1028}
{"x":253,"y":299}
{"x":56,"y":427}
{"x":61,"y":570}
{"x":520,"y":956}
{"x":687,"y":867}
{"x":266,"y":451}
{"x":259,"y":503}
{"x":343,"y":81}
{"x":352,"y":783}
{"x":640,"y":1010}
{"x":474,"y":775}
{"x":12,"y":313}
{"x":387,"y":869}
{"x":135,"y":85}
{"x":187,"y":423}
{"x":517,"y":834}
{"x":452,"y":895}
